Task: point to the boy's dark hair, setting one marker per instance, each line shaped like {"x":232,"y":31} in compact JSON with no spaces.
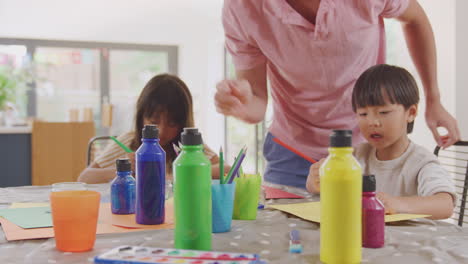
{"x":380,"y":80}
{"x":164,"y":94}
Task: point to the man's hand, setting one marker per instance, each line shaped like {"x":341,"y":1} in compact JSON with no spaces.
{"x":232,"y":98}
{"x":437,"y":116}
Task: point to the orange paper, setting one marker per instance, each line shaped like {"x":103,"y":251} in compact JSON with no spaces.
{"x":128,"y":221}
{"x":107,"y":224}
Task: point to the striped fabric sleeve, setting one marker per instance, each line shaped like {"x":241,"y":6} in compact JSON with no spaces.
{"x":113,"y":151}
{"x":433,"y":178}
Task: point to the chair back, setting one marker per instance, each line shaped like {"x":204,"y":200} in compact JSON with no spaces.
{"x":455,"y":161}
{"x":96,"y":145}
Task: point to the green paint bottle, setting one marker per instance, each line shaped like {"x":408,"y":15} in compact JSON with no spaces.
{"x":192,"y":194}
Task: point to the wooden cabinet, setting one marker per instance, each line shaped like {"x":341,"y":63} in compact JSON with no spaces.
{"x":59,"y":150}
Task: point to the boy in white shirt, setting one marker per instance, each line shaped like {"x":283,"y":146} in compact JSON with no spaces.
{"x":409,"y":178}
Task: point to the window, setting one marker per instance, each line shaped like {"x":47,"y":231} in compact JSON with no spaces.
{"x":129,"y":71}
{"x":66,"y":78}
{"x":78,"y":75}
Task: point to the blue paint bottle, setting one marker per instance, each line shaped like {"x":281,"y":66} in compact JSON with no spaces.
{"x":123,"y":189}
{"x":150,"y":178}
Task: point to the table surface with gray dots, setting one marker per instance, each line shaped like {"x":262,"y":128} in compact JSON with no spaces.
{"x":416,"y":241}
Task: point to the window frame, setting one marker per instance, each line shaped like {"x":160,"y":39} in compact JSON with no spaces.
{"x":103,"y":48}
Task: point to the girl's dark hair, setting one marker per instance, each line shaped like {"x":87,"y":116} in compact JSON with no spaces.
{"x":164,"y":94}
{"x":386,"y":81}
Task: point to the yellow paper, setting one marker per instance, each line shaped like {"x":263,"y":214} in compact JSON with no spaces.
{"x":311,"y":212}
{"x":401,"y":217}
{"x":28,"y":205}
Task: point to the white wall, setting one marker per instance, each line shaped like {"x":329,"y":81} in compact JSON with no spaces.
{"x":461,"y":66}
{"x":442,"y":17}
{"x":195,"y":26}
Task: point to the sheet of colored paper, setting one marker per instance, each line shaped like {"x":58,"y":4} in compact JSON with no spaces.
{"x":274,"y":193}
{"x":28,"y":205}
{"x":14,"y":232}
{"x":105,"y":226}
{"x":105,"y":215}
{"x":33,"y":217}
{"x":128,"y":221}
{"x":311,"y":212}
{"x":401,"y":217}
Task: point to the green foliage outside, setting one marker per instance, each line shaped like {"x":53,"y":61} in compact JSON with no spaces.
{"x":7,"y":87}
{"x":13,"y":86}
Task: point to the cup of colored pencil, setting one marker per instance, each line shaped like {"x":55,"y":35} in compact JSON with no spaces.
{"x":222,"y":202}
{"x":247,"y":196}
{"x":236,"y":167}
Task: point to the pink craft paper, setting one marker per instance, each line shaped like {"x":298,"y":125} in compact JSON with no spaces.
{"x":274,"y":193}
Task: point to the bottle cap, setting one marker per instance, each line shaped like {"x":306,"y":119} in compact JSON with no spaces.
{"x":191,"y":136}
{"x":150,"y":132}
{"x":123,"y":165}
{"x":368,"y":183}
{"x":341,"y":138}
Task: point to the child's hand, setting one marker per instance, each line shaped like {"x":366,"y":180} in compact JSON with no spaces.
{"x":392,"y":204}
{"x":131,"y":157}
{"x":313,"y":179}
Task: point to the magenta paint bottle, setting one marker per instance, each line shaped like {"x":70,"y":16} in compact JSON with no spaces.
{"x":373,"y":215}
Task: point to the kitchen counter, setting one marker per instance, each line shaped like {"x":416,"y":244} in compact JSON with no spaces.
{"x":15,"y":130}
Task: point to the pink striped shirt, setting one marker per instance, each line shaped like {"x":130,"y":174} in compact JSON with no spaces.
{"x":311,"y":68}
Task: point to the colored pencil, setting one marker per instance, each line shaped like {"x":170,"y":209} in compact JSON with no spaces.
{"x":236,"y":167}
{"x":121,"y":145}
{"x":176,"y":149}
{"x":221,"y":166}
{"x":230,"y":173}
{"x":297,"y":152}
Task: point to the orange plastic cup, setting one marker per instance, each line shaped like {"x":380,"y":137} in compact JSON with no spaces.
{"x":74,"y":216}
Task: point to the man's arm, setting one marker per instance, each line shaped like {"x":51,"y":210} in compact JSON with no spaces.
{"x":246,"y":97}
{"x":421,"y":45}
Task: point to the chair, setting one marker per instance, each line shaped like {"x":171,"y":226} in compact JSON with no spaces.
{"x":57,"y":150}
{"x":455,"y":160}
{"x":95,"y":145}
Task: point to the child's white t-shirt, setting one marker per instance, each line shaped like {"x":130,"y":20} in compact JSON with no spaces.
{"x":416,"y":172}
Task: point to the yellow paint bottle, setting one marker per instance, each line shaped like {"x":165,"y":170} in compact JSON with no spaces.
{"x":341,"y":202}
